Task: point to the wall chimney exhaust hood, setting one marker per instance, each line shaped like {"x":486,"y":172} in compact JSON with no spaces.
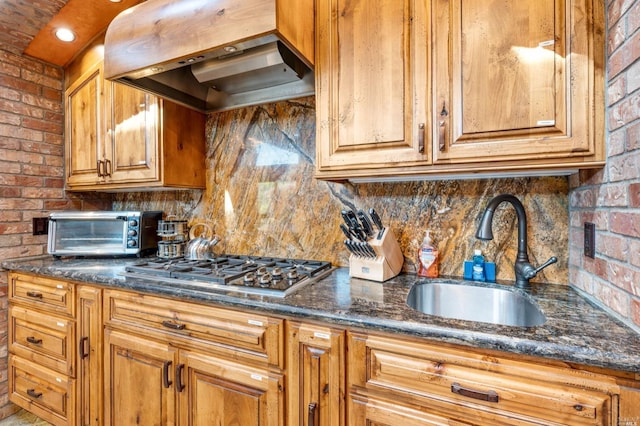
{"x":214,"y":55}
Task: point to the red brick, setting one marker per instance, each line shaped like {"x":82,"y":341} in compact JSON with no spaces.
{"x":18,"y":180}
{"x":615,"y":36}
{"x":8,"y":118}
{"x":634,"y":195}
{"x":54,"y":183}
{"x":43,"y":125}
{"x":37,"y":170}
{"x":40,"y":102}
{"x":616,"y":143}
{"x":623,"y":277}
{"x":624,"y":167}
{"x":42,"y":148}
{"x":41,"y":80}
{"x":624,"y":112}
{"x":24,"y":157}
{"x":624,"y":56}
{"x":20,"y":204}
{"x":613,"y":195}
{"x":613,"y":246}
{"x":43,"y":193}
{"x":625,"y":223}
{"x":635,"y":311}
{"x":597,"y":266}
{"x":19,"y":84}
{"x":583,"y":197}
{"x":17,"y":107}
{"x":52,"y":205}
{"x":633,"y":137}
{"x":633,"y":19}
{"x":10,"y":167}
{"x":613,"y":297}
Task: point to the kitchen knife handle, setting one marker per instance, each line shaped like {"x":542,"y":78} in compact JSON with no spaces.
{"x":421,"y":138}
{"x":367,"y":226}
{"x":166,"y":382}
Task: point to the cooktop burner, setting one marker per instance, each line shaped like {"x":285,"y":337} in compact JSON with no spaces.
{"x":247,"y":274}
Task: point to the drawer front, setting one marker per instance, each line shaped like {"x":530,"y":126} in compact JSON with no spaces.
{"x":447,"y":379}
{"x":44,"y":339}
{"x":45,"y":393}
{"x":42,"y":293}
{"x":253,"y":336}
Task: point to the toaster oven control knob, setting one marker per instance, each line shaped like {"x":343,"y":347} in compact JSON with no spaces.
{"x":132,"y":232}
{"x":132,"y":243}
{"x":133,"y":223}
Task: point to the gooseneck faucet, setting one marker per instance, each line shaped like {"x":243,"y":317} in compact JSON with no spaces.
{"x":523,"y":269}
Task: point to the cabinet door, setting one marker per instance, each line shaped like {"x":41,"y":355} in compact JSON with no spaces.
{"x":214,"y":390}
{"x":316,"y":375}
{"x":84,"y":109}
{"x":138,"y":384}
{"x":89,"y":376}
{"x":371,"y":83}
{"x":513,"y":80}
{"x":131,"y":135}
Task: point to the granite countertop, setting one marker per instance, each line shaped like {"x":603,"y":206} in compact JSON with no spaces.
{"x":576,"y":330}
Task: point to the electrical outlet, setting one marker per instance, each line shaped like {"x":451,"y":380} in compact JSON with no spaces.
{"x":40,"y":225}
{"x":590,"y":239}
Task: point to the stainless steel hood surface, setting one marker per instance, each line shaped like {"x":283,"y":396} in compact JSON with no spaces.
{"x":206,"y":54}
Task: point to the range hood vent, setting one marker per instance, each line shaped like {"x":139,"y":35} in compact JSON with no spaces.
{"x":214,"y":56}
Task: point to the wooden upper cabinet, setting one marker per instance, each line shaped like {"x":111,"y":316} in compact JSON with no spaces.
{"x":118,"y":137}
{"x":84,"y":145}
{"x":370,"y":84}
{"x":457,"y":87}
{"x":132,"y":134}
{"x":516,"y":80}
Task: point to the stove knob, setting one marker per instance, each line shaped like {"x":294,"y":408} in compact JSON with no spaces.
{"x":265,"y":280}
{"x":249,"y":278}
{"x":276,"y":272}
{"x":292,"y":274}
{"x":261,"y":271}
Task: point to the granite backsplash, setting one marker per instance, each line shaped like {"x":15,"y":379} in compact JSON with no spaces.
{"x":262,"y":198}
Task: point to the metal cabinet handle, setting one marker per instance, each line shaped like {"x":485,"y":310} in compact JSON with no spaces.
{"x":179,"y":383}
{"x":442,"y":128}
{"x":489,"y":396}
{"x":166,"y":382}
{"x":173,"y":325}
{"x":107,"y":168}
{"x":33,"y":340}
{"x":99,"y":168}
{"x":311,"y":419}
{"x":34,"y":295}
{"x":82,"y":346}
{"x":33,"y":394}
{"x":421,"y":138}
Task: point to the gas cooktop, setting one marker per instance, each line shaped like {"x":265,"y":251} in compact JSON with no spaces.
{"x":269,"y":276}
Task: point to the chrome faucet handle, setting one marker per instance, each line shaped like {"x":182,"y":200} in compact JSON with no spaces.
{"x":532,"y":272}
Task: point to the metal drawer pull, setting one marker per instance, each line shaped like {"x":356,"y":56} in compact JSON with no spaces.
{"x":165,"y":374}
{"x":179,"y":384}
{"x":33,"y":340}
{"x":82,"y":347}
{"x":34,"y":294}
{"x":421,"y":138}
{"x":490,"y":396}
{"x":173,"y":325}
{"x":33,"y":394}
{"x":311,"y":419}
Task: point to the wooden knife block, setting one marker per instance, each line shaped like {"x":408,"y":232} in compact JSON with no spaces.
{"x":387,"y":264}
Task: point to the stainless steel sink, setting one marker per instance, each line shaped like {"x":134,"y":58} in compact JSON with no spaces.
{"x":474,"y":303}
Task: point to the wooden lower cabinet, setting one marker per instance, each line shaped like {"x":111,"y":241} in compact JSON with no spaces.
{"x":165,"y":366}
{"x":83,"y":355}
{"x":315,"y":371}
{"x":471,"y":387}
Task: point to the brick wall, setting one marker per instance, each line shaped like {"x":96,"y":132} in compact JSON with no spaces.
{"x":610,"y":197}
{"x":31,"y":168}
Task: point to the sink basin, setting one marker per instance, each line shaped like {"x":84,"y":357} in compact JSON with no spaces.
{"x":474,"y":303}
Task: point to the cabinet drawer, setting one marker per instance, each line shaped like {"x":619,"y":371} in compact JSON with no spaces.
{"x":44,"y":339}
{"x":47,"y":394}
{"x":246,"y":335}
{"x":480,"y":387}
{"x":42,"y":293}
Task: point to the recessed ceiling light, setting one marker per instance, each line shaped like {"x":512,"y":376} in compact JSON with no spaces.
{"x":65,"y":34}
{"x":115,"y":1}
